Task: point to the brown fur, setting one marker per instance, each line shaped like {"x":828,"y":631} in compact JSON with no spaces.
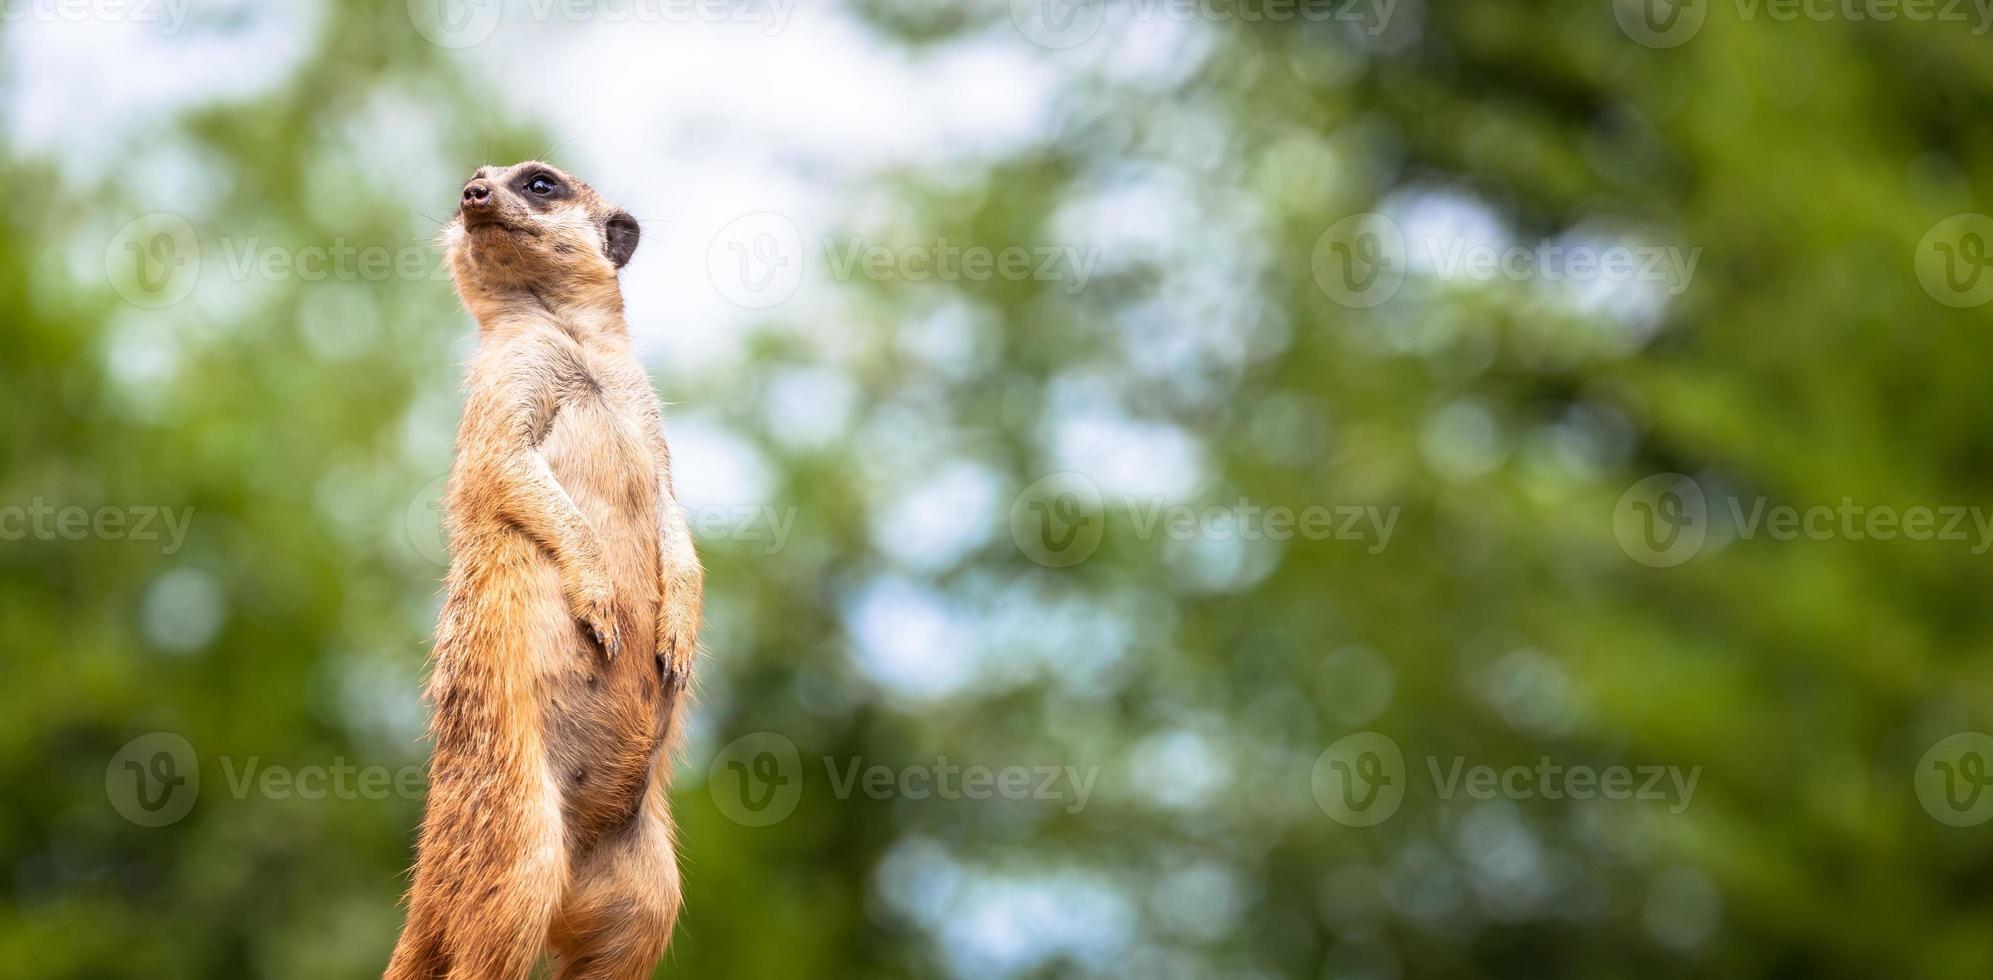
{"x":565,"y":645}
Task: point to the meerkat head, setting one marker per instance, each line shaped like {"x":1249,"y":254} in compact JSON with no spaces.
{"x":532,"y":231}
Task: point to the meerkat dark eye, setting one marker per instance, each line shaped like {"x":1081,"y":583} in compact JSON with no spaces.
{"x":542,"y":185}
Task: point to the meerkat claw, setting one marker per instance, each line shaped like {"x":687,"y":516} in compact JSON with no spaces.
{"x":673,"y":674}
{"x":606,"y":638}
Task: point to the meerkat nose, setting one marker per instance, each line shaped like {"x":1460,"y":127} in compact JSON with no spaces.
{"x":477,"y":193}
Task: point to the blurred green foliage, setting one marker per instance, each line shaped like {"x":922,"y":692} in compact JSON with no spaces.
{"x":1503,"y":623}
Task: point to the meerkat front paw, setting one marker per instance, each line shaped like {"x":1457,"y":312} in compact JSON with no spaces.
{"x":677,"y":640}
{"x":594,"y":605}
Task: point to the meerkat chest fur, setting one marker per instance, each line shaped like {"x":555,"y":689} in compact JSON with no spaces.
{"x":595,"y":429}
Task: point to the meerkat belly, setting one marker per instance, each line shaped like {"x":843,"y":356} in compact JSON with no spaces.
{"x":607,"y":719}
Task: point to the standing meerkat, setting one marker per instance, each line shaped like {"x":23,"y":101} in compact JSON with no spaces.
{"x":565,"y":644}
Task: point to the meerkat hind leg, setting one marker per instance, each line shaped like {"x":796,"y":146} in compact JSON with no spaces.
{"x":623,"y":899}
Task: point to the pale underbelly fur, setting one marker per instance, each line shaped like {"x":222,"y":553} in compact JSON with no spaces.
{"x":606,"y":721}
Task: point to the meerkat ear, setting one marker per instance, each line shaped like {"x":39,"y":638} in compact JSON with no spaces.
{"x":619,"y":238}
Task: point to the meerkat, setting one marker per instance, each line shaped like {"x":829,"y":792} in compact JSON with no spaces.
{"x":564,"y":649}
